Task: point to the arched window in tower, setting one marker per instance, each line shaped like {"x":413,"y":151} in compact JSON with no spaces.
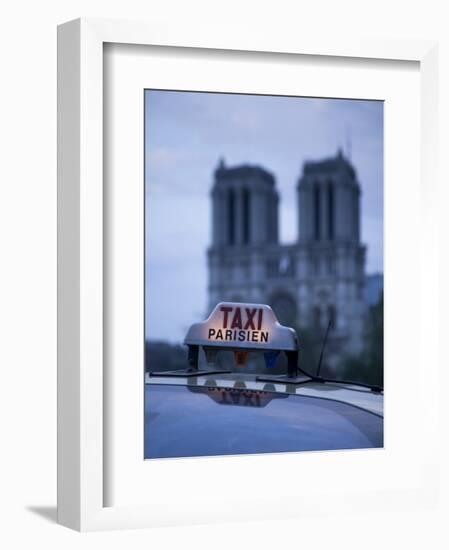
{"x":316,"y":210}
{"x":246,"y":216}
{"x":231,"y":217}
{"x":316,"y":317}
{"x":332,"y":316}
{"x":330,"y":210}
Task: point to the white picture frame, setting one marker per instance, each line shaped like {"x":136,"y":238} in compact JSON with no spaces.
{"x":81,"y":292}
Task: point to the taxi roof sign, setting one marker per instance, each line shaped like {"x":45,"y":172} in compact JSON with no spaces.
{"x":242,"y":326}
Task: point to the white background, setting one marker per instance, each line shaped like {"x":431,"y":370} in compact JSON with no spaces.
{"x":28,"y":270}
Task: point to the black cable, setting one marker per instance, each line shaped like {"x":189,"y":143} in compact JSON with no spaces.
{"x":374,"y":388}
{"x":322,"y":348}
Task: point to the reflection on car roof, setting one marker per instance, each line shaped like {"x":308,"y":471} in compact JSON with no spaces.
{"x":350,"y":394}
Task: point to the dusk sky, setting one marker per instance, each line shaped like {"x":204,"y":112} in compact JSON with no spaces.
{"x":186,"y":135}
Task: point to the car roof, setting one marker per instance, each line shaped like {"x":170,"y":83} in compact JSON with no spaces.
{"x":351,"y":394}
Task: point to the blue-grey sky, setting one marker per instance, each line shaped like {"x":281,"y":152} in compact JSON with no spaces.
{"x":187,"y":133}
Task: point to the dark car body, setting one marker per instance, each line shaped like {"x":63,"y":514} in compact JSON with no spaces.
{"x":236,"y":414}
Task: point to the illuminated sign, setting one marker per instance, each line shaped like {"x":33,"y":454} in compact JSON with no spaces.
{"x":242,"y":324}
{"x":247,"y":326}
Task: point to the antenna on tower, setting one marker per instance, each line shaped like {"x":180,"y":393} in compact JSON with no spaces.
{"x":348,"y":142}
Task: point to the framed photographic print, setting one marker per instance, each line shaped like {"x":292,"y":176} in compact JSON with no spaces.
{"x":243,"y":226}
{"x":263,"y":269}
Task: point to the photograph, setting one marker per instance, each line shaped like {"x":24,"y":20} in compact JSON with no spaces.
{"x":264,"y":248}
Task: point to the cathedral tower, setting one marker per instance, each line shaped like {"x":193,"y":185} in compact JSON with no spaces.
{"x":244,"y":224}
{"x":331,"y":257}
{"x":329,"y":202}
{"x":245,"y":206}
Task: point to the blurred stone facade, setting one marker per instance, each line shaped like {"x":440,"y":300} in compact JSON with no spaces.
{"x":319,"y":277}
